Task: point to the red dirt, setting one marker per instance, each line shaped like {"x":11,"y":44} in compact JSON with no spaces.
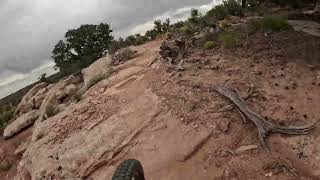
{"x":286,"y":91}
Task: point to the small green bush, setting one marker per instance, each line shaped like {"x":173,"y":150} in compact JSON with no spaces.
{"x":185,"y":30}
{"x":123,"y":55}
{"x":254,"y":26}
{"x":270,"y":22}
{"x":219,"y":12}
{"x":228,"y":39}
{"x":233,"y":7}
{"x":209,"y":45}
{"x":275,"y":23}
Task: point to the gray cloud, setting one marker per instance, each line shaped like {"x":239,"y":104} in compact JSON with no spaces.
{"x":30,"y":29}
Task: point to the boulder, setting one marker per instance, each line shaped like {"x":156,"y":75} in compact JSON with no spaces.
{"x":32,"y":99}
{"x":56,"y":95}
{"x":19,"y":124}
{"x":101,"y":66}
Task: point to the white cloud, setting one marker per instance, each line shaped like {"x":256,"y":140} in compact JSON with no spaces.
{"x":11,"y":79}
{"x":30,"y":29}
{"x":15,"y":82}
{"x":174,"y":15}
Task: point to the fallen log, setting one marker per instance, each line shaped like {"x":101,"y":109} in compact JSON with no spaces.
{"x":264,"y":127}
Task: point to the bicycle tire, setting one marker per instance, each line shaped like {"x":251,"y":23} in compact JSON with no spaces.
{"x":128,"y":170}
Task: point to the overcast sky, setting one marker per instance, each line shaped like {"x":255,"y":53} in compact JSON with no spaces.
{"x":30,"y":29}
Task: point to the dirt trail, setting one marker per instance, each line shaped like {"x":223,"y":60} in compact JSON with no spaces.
{"x":171,"y":121}
{"x":191,"y":139}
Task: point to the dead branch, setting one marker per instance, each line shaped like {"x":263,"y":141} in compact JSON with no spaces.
{"x":231,"y":106}
{"x":264,"y":127}
{"x":242,"y":116}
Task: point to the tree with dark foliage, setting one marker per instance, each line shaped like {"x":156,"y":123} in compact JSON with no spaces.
{"x":82,"y":46}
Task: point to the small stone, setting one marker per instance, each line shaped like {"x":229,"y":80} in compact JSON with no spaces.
{"x":246,"y":148}
{"x":224,"y":154}
{"x":269,"y":174}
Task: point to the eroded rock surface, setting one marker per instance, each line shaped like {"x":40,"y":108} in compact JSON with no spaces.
{"x":19,"y":124}
{"x":33,"y":99}
{"x":59,"y":94}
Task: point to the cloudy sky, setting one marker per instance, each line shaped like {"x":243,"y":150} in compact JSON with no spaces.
{"x":30,"y":29}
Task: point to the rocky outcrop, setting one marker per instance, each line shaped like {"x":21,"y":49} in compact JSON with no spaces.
{"x":21,"y":123}
{"x":33,"y":99}
{"x":75,"y":142}
{"x":102,"y":67}
{"x":41,"y":100}
{"x":60,"y":93}
{"x":310,"y":27}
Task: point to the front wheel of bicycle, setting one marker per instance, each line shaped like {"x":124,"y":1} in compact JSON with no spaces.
{"x":130,"y":169}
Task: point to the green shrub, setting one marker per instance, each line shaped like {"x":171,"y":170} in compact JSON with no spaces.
{"x":233,"y":7}
{"x":219,"y":12}
{"x":186,"y":30}
{"x":270,"y":22}
{"x":209,"y":45}
{"x":254,"y":26}
{"x":123,"y":55}
{"x":275,"y":23}
{"x":228,"y":39}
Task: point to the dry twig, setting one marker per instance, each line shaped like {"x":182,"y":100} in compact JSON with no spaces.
{"x":264,"y":127}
